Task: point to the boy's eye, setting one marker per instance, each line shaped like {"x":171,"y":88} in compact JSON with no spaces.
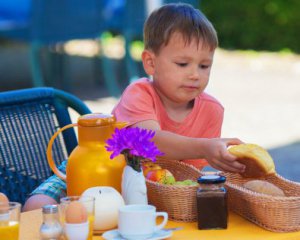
{"x":181,"y":64}
{"x":202,"y":66}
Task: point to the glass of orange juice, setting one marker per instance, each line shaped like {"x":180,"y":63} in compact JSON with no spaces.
{"x":88,"y":202}
{"x":9,"y":220}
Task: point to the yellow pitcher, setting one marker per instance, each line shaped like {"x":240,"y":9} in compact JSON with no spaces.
{"x":89,"y":164}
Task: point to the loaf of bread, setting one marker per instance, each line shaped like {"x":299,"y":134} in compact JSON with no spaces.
{"x":257,"y":160}
{"x":264,"y":187}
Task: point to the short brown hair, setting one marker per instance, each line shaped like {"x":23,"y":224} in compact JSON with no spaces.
{"x":182,"y":18}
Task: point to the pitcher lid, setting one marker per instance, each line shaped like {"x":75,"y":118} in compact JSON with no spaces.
{"x":96,"y":120}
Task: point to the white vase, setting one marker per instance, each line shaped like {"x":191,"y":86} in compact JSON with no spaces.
{"x":134,"y":190}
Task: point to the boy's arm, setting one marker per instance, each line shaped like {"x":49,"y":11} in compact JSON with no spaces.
{"x":179,"y":147}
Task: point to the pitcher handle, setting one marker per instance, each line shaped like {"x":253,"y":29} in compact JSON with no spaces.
{"x":49,"y":152}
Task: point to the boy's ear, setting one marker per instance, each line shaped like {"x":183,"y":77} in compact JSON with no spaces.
{"x":148,"y":62}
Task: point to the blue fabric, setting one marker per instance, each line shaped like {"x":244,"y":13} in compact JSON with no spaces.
{"x":51,"y":21}
{"x":16,"y":185}
{"x":17,"y":10}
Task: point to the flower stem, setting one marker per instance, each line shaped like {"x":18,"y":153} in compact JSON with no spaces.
{"x":133,"y":161}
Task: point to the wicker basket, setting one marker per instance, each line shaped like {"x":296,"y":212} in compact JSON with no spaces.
{"x":178,"y":201}
{"x":277,"y":214}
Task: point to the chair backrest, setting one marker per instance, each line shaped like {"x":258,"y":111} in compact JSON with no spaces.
{"x":28,"y":119}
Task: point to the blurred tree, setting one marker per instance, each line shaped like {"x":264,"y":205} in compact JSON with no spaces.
{"x":258,"y":24}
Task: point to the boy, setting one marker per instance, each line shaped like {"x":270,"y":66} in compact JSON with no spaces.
{"x":179,"y":49}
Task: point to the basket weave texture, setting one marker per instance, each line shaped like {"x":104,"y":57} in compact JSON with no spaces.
{"x":277,"y":214}
{"x":178,"y":201}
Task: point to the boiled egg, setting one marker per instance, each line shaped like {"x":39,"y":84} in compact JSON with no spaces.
{"x":4,"y":203}
{"x":3,"y":198}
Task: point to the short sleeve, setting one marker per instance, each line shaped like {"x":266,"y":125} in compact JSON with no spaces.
{"x":137,"y":103}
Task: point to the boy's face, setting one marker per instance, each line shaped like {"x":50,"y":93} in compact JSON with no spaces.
{"x":181,"y":70}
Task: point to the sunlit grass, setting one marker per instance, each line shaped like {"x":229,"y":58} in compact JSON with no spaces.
{"x":84,"y":48}
{"x":285,"y":52}
{"x":107,"y":44}
{"x":136,"y":50}
{"x":113,"y":46}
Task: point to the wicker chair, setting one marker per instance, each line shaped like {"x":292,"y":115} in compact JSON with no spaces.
{"x":28,"y":118}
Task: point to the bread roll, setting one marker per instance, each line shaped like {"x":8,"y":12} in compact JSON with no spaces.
{"x":257,"y":160}
{"x":264,"y":187}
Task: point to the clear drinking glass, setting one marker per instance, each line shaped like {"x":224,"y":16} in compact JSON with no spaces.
{"x":10,"y":220}
{"x":88,"y":202}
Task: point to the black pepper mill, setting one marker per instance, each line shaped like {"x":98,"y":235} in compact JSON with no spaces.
{"x":212,"y":202}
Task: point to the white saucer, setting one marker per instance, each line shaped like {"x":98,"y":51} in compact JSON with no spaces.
{"x":115,"y":235}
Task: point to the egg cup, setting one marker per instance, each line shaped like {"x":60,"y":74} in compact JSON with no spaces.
{"x":89,"y":204}
{"x":77,"y":231}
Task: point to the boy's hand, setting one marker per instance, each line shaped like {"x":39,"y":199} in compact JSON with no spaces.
{"x":217,"y":155}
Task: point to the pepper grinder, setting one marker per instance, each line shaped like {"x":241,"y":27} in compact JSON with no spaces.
{"x":51,"y":228}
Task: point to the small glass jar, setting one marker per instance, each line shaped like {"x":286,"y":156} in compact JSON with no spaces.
{"x":212,"y":202}
{"x":51,"y":228}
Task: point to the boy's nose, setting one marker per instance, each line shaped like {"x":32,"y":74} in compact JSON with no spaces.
{"x":195,"y":74}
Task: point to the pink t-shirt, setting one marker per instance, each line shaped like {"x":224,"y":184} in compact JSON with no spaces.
{"x":140,"y":102}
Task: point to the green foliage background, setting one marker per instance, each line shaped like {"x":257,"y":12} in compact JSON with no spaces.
{"x":271,"y":25}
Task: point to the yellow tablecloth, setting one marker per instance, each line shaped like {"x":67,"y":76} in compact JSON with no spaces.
{"x":238,"y":229}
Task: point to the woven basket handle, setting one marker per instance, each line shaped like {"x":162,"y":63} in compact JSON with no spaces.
{"x":165,"y":216}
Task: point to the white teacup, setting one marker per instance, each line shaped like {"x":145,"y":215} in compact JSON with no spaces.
{"x":137,"y":222}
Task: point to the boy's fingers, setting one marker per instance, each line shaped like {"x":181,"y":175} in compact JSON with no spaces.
{"x":239,"y":166}
{"x":228,"y":156}
{"x":228,"y":168}
{"x":231,"y":160}
{"x":233,"y":141}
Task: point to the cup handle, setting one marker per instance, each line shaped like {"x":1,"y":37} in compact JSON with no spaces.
{"x":160,"y":226}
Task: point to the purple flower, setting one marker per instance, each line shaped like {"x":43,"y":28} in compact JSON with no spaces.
{"x":135,"y":141}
